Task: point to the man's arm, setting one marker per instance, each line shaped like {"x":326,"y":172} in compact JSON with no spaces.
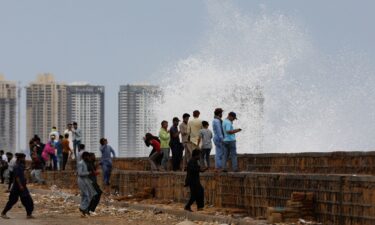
{"x":113,"y":152}
{"x":164,"y":135}
{"x":19,"y":183}
{"x":217,"y":129}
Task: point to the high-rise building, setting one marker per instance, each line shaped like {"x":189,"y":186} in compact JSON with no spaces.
{"x":136,"y":117}
{"x":8,"y":101}
{"x":86,"y":107}
{"x":45,"y":106}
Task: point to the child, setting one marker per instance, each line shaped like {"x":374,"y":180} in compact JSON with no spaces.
{"x":193,"y":181}
{"x":156,"y":154}
{"x":205,"y":136}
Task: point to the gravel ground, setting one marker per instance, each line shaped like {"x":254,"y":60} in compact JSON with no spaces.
{"x":56,"y":209}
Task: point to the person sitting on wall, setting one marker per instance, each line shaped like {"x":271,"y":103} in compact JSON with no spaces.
{"x":156,"y":155}
{"x":193,"y":182}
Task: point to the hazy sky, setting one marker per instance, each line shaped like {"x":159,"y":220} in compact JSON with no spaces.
{"x":118,"y":42}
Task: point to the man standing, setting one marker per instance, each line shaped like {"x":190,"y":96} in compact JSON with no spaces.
{"x":77,"y":137}
{"x":3,"y":165}
{"x":217,"y":126}
{"x":70,"y":132}
{"x":55,"y":133}
{"x":66,"y":150}
{"x":230,"y":142}
{"x":194,"y":127}
{"x":19,"y":189}
{"x":176,"y":145}
{"x":165,"y":138}
{"x":106,"y":161}
{"x":185,"y":138}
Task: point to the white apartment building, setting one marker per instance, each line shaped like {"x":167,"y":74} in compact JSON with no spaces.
{"x":136,"y":117}
{"x":8,"y":96}
{"x":45,"y":107}
{"x":85,"y":105}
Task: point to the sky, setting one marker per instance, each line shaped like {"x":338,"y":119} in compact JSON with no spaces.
{"x":119,"y":42}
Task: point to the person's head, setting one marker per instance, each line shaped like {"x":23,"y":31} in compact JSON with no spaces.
{"x":185,"y":117}
{"x":21,"y":157}
{"x":164,"y":124}
{"x":196,"y":114}
{"x":92,"y":157}
{"x":175,"y":120}
{"x":85,"y":156}
{"x":37,"y":140}
{"x":75,"y":125}
{"x":196,"y":154}
{"x":9,"y":155}
{"x":205,"y":124}
{"x":1,"y":152}
{"x":232,"y":116}
{"x":61,"y":137}
{"x":69,"y":126}
{"x":54,"y":128}
{"x":66,"y":136}
{"x":81,"y":147}
{"x":219,"y":112}
{"x":102,"y":141}
{"x":53,"y":137}
{"x":148,"y":136}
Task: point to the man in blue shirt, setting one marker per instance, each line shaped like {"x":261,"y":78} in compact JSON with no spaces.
{"x":217,"y":126}
{"x":230,"y":142}
{"x":106,"y":161}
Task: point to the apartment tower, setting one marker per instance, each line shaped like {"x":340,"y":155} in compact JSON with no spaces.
{"x":8,"y":96}
{"x":136,"y":117}
{"x":45,"y":106}
{"x":85,"y":106}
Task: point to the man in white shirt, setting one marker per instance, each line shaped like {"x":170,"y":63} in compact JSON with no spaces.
{"x":194,"y":126}
{"x":55,"y":133}
{"x":70,"y":132}
{"x":77,"y":137}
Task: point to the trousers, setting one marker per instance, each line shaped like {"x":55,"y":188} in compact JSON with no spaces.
{"x":25,"y":197}
{"x":196,"y":195}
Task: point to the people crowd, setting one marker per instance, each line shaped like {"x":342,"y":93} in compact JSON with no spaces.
{"x":181,"y":139}
{"x":188,"y":142}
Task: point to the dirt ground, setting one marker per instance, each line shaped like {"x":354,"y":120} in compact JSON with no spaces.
{"x":56,"y":209}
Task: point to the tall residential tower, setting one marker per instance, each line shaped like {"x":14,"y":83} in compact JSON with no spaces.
{"x":86,"y":107}
{"x":136,"y":117}
{"x":8,"y":96}
{"x":45,"y":106}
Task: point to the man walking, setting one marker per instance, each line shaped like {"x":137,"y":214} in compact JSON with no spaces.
{"x":185,"y":139}
{"x":176,"y":146}
{"x":106,"y":161}
{"x":85,"y":184}
{"x":230,"y":147}
{"x":217,"y":126}
{"x":19,"y":189}
{"x":193,"y":182}
{"x":77,"y":137}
